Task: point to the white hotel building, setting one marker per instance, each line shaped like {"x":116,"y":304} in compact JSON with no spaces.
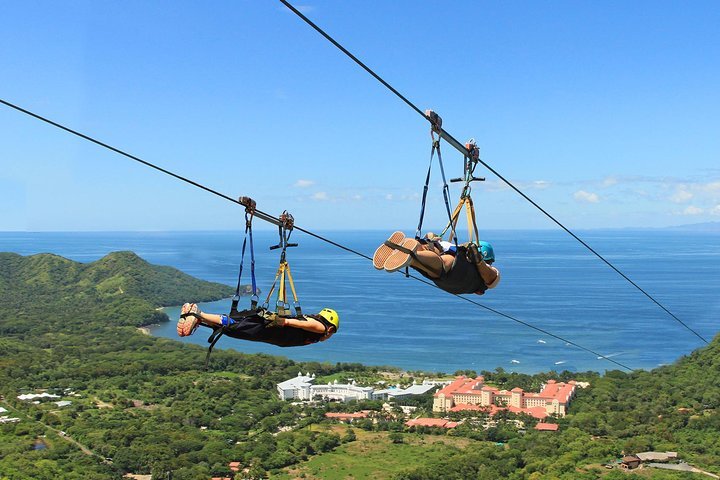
{"x":302,"y":388}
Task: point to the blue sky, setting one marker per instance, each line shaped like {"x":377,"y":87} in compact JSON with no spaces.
{"x":605,"y":113}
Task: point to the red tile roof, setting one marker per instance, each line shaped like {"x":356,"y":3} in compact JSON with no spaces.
{"x":430,"y":422}
{"x":348,"y":416}
{"x":547,"y":427}
{"x":537,"y":412}
{"x":461,"y":385}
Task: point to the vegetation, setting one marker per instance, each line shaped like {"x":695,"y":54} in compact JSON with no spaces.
{"x":144,"y":405}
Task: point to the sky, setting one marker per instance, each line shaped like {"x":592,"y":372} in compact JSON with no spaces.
{"x":604,"y":113}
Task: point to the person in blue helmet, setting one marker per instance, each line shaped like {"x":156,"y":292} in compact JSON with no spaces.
{"x":459,"y":269}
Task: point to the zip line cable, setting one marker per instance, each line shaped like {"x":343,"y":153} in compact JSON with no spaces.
{"x":268,"y":218}
{"x":451,"y":140}
{"x":258,"y":213}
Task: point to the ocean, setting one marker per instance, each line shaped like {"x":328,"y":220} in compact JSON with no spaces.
{"x":549,"y":281}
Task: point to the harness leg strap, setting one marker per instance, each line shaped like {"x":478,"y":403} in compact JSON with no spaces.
{"x":212,"y":340}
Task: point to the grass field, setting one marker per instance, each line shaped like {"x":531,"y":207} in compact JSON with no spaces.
{"x":374,"y":456}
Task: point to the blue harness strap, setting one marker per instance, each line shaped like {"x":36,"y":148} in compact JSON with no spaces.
{"x":248,"y":234}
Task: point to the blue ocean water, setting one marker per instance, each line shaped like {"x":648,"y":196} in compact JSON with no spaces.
{"x":549,"y":281}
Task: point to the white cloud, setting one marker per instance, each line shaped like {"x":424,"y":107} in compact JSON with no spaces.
{"x":712,"y":187}
{"x":715,"y":211}
{"x":541,"y":184}
{"x":389,"y":196}
{"x":304,"y":183}
{"x":583,"y":196}
{"x":692,"y":210}
{"x":411,"y":197}
{"x":320,"y":196}
{"x":609,"y":182}
{"x":681,"y":195}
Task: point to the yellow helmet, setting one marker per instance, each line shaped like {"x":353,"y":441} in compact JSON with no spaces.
{"x":331,"y":316}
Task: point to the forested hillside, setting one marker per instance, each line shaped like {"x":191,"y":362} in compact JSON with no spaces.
{"x":120,"y":288}
{"x":141,"y":404}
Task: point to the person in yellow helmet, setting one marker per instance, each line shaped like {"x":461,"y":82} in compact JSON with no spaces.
{"x":262,"y":326}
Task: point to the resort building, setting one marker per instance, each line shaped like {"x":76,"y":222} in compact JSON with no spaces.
{"x":472,"y":394}
{"x":302,"y":388}
{"x":342,"y":392}
{"x":34,"y":396}
{"x":397,"y":392}
{"x":297,"y":388}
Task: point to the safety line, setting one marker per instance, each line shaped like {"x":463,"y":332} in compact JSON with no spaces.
{"x":465,"y":152}
{"x":521,"y":322}
{"x":268,"y":218}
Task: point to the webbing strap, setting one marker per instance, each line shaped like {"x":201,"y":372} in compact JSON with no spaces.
{"x":418,"y":232}
{"x":446,"y":189}
{"x":292,"y":288}
{"x":467,"y":202}
{"x":212,"y":340}
{"x":248,"y":233}
{"x":284,"y":230}
{"x":282,"y":301}
{"x":472,"y":224}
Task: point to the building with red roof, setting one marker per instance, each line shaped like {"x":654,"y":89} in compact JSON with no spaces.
{"x":472,"y":394}
{"x":547,"y":427}
{"x":347,"y":417}
{"x":431,"y":422}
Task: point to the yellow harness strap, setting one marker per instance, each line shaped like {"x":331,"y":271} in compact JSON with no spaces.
{"x":466,"y":201}
{"x":282,"y":303}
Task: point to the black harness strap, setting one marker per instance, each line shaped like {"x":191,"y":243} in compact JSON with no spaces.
{"x":250,"y":205}
{"x":249,"y":212}
{"x":212,"y":340}
{"x":436,"y":127}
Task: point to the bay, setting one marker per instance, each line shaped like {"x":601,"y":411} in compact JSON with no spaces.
{"x":549,"y":281}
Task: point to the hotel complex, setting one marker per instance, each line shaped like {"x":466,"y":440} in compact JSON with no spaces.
{"x":302,"y":388}
{"x":472,"y":394}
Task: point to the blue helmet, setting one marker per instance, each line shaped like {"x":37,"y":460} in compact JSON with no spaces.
{"x":487,"y":251}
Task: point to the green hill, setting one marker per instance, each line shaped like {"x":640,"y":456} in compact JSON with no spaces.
{"x":121,"y":288}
